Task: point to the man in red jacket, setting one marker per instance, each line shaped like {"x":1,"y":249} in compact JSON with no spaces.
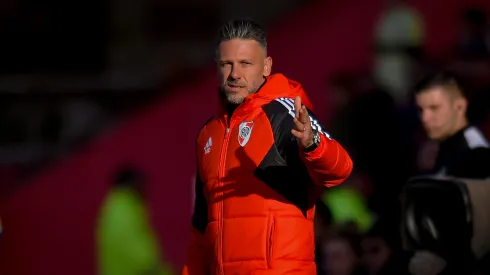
{"x":262,"y":163}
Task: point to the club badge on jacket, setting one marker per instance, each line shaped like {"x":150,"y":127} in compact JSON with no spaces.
{"x":244,"y":132}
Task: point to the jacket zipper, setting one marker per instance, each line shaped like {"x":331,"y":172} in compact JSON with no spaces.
{"x":222,"y":165}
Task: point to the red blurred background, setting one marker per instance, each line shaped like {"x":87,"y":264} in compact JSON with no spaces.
{"x":49,"y":221}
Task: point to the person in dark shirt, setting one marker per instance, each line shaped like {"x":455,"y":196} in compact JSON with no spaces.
{"x":463,"y":150}
{"x":463,"y":153}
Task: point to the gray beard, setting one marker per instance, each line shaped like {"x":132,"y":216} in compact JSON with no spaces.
{"x":236,"y":100}
{"x":233,"y":99}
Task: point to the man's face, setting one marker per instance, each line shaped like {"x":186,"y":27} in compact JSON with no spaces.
{"x":440,"y":113}
{"x":242,"y":67}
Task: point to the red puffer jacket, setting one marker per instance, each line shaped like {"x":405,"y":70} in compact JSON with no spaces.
{"x":255,"y":189}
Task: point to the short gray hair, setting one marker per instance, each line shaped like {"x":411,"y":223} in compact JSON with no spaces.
{"x":246,"y":29}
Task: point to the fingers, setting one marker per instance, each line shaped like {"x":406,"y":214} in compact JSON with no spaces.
{"x":297,"y":105}
{"x":298,"y":125}
{"x":299,"y":135}
{"x":304,"y":117}
{"x":301,"y":111}
{"x":299,"y":128}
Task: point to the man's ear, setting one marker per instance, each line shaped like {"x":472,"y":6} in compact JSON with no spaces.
{"x":462,"y":105}
{"x":267,"y":66}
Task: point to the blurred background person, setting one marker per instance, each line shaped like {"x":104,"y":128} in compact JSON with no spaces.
{"x":382,"y":253}
{"x":463,"y":152}
{"x":347,"y":205}
{"x":399,"y":30}
{"x":463,"y":149}
{"x":342,"y":253}
{"x":126,"y":242}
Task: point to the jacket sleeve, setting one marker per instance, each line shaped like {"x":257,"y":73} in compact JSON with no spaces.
{"x":196,"y":263}
{"x":328,"y":165}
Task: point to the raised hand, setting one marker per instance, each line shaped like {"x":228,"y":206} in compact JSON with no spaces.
{"x":302,"y":124}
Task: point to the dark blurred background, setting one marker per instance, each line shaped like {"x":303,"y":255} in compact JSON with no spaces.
{"x":87,"y":86}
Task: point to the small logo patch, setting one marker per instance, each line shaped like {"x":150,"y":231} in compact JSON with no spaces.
{"x":244,"y":132}
{"x":207,"y":147}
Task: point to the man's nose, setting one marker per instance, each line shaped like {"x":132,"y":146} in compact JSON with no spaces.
{"x":426,"y":116}
{"x":235,"y":72}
